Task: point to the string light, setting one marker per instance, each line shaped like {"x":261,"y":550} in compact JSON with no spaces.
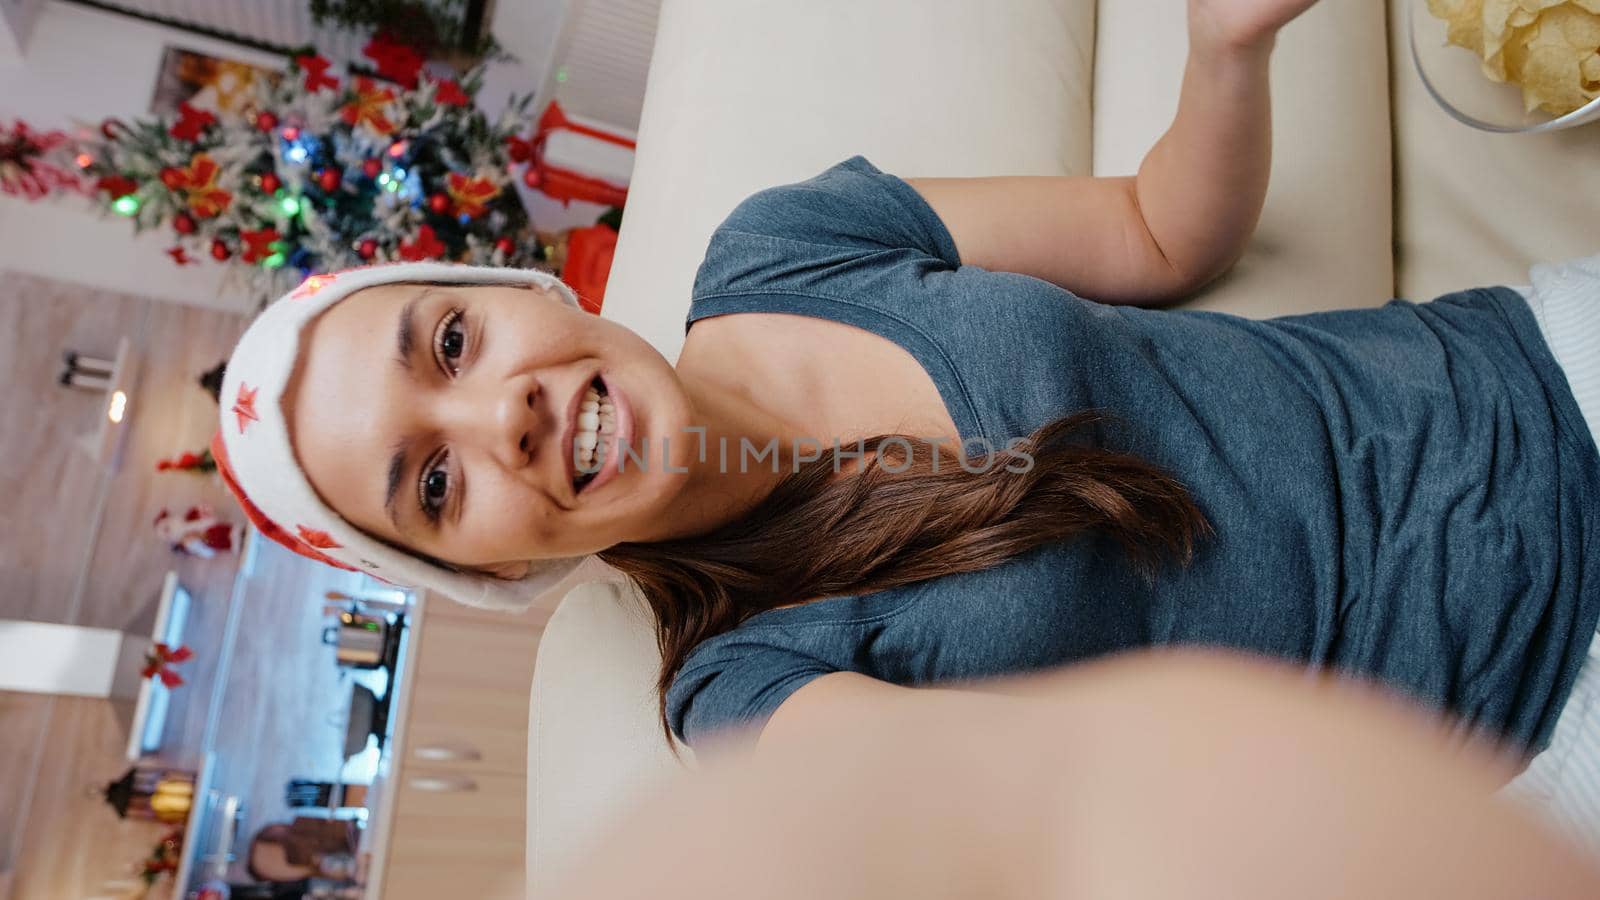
{"x":296,"y":154}
{"x":290,"y":206}
{"x":119,"y":405}
{"x":273,"y":261}
{"x":383,"y":179}
{"x":561,"y":75}
{"x":126,"y":205}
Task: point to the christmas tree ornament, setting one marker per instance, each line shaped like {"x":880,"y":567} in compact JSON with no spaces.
{"x":367,"y":248}
{"x":518,"y":149}
{"x":183,"y":223}
{"x":191,"y":123}
{"x":180,"y":256}
{"x":291,"y":133}
{"x":258,"y":244}
{"x":317,"y":77}
{"x":266,"y":121}
{"x":504,"y":246}
{"x":449,"y":93}
{"x":396,"y":61}
{"x":439,"y":204}
{"x":371,"y":167}
{"x":270,"y":183}
{"x":471,"y":195}
{"x":172,"y":177}
{"x":370,"y":108}
{"x":532,"y":178}
{"x":220,"y":251}
{"x":329,"y":180}
{"x":198,"y":182}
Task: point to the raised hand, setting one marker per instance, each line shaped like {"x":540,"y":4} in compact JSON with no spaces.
{"x":1242,"y":24}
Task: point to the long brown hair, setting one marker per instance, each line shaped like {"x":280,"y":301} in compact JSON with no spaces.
{"x":904,"y":518}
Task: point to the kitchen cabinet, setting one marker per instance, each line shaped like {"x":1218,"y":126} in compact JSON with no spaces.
{"x":456,"y":793}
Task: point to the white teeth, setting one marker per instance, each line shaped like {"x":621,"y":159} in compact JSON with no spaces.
{"x":597,"y":415}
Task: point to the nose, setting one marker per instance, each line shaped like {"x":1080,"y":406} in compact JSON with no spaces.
{"x":503,"y":421}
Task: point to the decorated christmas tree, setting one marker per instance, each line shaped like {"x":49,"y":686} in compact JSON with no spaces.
{"x":322,"y":174}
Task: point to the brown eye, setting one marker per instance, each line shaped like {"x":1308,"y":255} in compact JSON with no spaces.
{"x":450,"y":341}
{"x":434,"y":488}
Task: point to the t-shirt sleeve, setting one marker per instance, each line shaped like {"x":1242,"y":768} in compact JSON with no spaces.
{"x":833,"y":219}
{"x":728,"y":683}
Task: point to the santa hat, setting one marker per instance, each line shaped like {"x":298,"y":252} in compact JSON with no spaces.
{"x":258,"y":464}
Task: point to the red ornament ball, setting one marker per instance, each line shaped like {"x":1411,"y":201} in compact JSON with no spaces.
{"x":519,"y":152}
{"x":439,"y":203}
{"x":270,"y":183}
{"x":367,"y":248}
{"x":183,"y":223}
{"x":329,"y":180}
{"x":266,"y":121}
{"x":219,"y":250}
{"x":371,"y":168}
{"x":531,"y":178}
{"x":172,"y":177}
{"x":505,"y":246}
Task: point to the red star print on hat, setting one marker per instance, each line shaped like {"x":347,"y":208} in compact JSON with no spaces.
{"x":245,"y":407}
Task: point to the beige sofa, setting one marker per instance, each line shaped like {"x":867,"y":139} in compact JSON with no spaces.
{"x":1375,"y":193}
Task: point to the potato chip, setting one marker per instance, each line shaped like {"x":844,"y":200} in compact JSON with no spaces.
{"x":1550,"y":48}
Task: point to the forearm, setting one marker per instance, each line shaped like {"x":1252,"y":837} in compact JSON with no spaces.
{"x":1201,"y":187}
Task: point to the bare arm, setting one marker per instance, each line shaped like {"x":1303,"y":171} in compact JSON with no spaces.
{"x":1188,"y":214}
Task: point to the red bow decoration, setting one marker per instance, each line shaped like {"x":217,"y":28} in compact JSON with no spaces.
{"x":472,"y":195}
{"x":426,"y":246}
{"x":518,"y":149}
{"x":316,"y":69}
{"x":159,"y":661}
{"x":198,"y":182}
{"x":117,"y":185}
{"x":191,"y":123}
{"x":450,"y":93}
{"x":395,"y":61}
{"x":181,"y":257}
{"x":258,"y":244}
{"x":370,"y":108}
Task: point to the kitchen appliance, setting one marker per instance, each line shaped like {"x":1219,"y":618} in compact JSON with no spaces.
{"x":361,"y":640}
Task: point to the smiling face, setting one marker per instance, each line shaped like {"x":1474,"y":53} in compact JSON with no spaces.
{"x":442,"y":419}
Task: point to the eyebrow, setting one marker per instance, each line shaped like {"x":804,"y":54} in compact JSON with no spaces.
{"x":397,"y":471}
{"x":406,"y":332}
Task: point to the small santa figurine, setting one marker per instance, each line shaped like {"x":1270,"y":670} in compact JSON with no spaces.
{"x":198,"y":532}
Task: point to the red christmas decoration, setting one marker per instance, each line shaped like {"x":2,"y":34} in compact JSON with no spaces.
{"x":317,"y":77}
{"x":266,"y":121}
{"x":329,"y":180}
{"x":439,"y":203}
{"x":449,"y":93}
{"x":257,"y":247}
{"x":371,"y":167}
{"x":588,"y":266}
{"x":518,"y":149}
{"x":181,"y":257}
{"x":183,"y":223}
{"x":159,"y":661}
{"x":395,"y":61}
{"x":26,"y":166}
{"x":117,"y":185}
{"x":426,"y":246}
{"x":367,"y":248}
{"x":172,"y":177}
{"x":270,"y":183}
{"x":565,"y":184}
{"x":532,"y":178}
{"x":291,"y":133}
{"x":220,"y":251}
{"x":191,"y":122}
{"x":370,"y":108}
{"x":188,"y":461}
{"x":504,"y":246}
{"x":472,"y":195}
{"x":199,"y":183}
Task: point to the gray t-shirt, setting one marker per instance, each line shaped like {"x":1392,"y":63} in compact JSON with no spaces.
{"x":1407,"y":492}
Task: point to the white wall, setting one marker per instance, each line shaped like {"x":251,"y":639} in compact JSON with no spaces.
{"x":81,"y":65}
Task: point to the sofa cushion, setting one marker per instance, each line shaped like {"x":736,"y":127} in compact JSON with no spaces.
{"x":1324,"y":237}
{"x":746,"y":94}
{"x":1475,"y":208}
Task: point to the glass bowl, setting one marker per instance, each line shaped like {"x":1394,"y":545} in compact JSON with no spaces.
{"x":1455,"y":78}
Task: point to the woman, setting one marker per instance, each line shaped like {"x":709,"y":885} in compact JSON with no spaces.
{"x":1404,"y":493}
